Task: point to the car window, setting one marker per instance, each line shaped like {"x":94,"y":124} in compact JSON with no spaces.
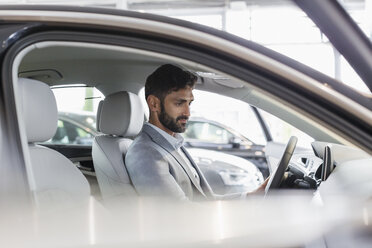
{"x":213,"y":124}
{"x":77,"y":108}
{"x":227,"y":112}
{"x":69,"y":133}
{"x":207,"y":132}
{"x":281,"y":131}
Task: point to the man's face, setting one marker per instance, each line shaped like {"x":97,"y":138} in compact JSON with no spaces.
{"x":175,"y":110}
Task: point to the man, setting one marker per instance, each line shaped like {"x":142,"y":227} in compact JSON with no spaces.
{"x":157,"y":162}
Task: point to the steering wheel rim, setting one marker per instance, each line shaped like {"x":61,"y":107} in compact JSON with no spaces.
{"x":277,"y":177}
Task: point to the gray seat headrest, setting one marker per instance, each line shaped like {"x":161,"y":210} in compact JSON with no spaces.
{"x":39,"y":110}
{"x":121,"y":114}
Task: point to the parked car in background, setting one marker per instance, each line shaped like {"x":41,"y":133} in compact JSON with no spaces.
{"x":227,"y":173}
{"x":75,"y":128}
{"x":212,"y":135}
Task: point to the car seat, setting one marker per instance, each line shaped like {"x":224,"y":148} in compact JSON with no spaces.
{"x":119,"y":118}
{"x":54,"y":179}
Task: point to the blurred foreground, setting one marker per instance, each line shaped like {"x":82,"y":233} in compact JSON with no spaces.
{"x":281,"y":220}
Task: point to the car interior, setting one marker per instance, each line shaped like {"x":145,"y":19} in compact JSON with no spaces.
{"x":119,"y":73}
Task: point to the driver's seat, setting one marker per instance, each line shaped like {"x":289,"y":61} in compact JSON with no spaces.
{"x":120,"y":119}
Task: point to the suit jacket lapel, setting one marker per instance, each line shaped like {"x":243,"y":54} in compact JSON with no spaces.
{"x":203,"y":182}
{"x":161,"y":141}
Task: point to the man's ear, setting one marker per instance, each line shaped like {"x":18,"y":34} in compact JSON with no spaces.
{"x":154,"y":103}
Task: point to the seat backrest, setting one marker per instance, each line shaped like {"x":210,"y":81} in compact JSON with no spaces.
{"x":120,"y":119}
{"x":54,"y":178}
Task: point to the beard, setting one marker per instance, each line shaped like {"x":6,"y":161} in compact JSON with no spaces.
{"x":171,"y":123}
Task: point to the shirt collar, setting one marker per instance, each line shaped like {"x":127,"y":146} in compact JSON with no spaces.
{"x":176,"y":141}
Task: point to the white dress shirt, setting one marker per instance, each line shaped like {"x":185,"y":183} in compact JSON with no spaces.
{"x":177,"y":142}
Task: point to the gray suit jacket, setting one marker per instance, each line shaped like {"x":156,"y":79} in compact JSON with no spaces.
{"x":157,"y":169}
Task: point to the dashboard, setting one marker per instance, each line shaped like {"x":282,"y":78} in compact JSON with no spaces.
{"x":326,"y":163}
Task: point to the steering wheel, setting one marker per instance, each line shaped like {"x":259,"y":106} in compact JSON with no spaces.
{"x":277,"y":177}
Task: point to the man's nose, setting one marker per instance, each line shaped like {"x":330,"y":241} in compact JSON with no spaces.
{"x":187,"y":111}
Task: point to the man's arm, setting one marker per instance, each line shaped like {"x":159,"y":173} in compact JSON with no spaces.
{"x":149,"y":171}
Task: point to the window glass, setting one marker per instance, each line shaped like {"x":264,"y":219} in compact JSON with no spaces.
{"x":194,"y":130}
{"x":350,"y":77}
{"x":360,"y":12}
{"x":281,"y":131}
{"x":207,"y":132}
{"x":228,"y":112}
{"x":217,"y":134}
{"x":77,"y":109}
{"x":236,"y":115}
{"x":71,"y":133}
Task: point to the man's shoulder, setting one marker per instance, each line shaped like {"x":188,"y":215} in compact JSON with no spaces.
{"x":142,"y":139}
{"x":148,"y":140}
{"x":142,"y":149}
{"x":141,"y":142}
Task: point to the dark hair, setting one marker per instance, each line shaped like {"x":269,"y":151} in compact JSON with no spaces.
{"x":168,"y":78}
